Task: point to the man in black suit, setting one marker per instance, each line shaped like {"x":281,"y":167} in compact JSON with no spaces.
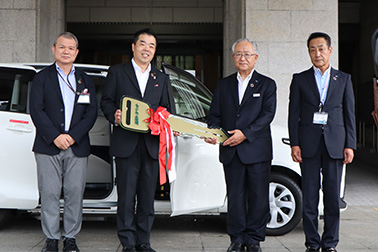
{"x":322,"y":135}
{"x":63,"y":108}
{"x":244,"y":105}
{"x":136,"y":154}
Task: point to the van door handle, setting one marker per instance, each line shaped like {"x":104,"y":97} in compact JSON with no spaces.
{"x":20,"y":129}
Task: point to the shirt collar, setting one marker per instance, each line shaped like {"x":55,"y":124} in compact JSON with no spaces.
{"x":61,"y":71}
{"x":240,"y":79}
{"x":318,"y":72}
{"x":137,"y":68}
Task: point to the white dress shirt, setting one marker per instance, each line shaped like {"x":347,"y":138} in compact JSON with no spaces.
{"x":68,"y":94}
{"x":242,"y":84}
{"x":141,"y":77}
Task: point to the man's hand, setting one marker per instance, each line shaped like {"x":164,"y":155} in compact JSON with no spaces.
{"x":236,"y":138}
{"x":176,"y":133}
{"x":296,"y":154}
{"x":70,"y":140}
{"x":63,"y":141}
{"x":210,"y":140}
{"x":117,"y":116}
{"x":348,"y":155}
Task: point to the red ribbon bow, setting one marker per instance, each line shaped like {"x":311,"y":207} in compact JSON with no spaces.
{"x":159,"y":126}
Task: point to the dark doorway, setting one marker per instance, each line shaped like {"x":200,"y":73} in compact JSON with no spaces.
{"x":195,"y":47}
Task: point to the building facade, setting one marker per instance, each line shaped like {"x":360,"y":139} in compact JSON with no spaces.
{"x":198,"y":34}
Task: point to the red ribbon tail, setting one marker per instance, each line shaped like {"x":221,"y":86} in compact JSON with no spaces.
{"x":159,"y":126}
{"x":162,"y":158}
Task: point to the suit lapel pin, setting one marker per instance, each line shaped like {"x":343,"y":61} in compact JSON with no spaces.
{"x":79,"y":81}
{"x":153,"y":76}
{"x":252,"y":85}
{"x":335,"y":77}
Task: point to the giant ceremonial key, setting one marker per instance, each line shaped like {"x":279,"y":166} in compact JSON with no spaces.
{"x":135,"y":114}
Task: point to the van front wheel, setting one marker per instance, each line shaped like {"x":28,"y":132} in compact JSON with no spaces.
{"x":285,"y":199}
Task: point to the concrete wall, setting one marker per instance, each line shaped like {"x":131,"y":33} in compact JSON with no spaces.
{"x":17,"y":33}
{"x":28,"y":28}
{"x":145,"y":11}
{"x":281,"y":29}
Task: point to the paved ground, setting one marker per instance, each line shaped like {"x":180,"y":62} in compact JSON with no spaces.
{"x":358,"y":232}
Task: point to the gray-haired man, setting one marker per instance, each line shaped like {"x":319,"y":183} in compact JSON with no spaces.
{"x":63,"y":108}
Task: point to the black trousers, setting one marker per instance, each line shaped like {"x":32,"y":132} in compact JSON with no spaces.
{"x":136,"y":184}
{"x":248,"y":200}
{"x":311,"y":182}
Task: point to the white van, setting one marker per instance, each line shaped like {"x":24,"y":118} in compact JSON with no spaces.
{"x":199,"y":188}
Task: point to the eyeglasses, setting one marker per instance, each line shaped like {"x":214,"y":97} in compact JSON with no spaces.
{"x":246,"y":55}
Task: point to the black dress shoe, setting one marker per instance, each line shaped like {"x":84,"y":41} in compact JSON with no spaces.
{"x":69,"y":245}
{"x":144,"y":248}
{"x":312,"y":249}
{"x":254,"y":248}
{"x":51,"y":245}
{"x":128,"y":249}
{"x":235,"y":247}
{"x":329,"y":250}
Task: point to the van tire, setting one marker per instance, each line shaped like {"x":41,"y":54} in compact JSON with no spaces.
{"x":285,"y":199}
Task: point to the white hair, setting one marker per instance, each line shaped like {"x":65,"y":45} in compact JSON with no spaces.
{"x":245,"y":39}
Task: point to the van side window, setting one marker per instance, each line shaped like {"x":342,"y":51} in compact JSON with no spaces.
{"x":192,"y":99}
{"x":14,"y":88}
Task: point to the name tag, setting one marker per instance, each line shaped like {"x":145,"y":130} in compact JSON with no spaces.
{"x":320,"y":118}
{"x":256,"y":95}
{"x":84,"y":98}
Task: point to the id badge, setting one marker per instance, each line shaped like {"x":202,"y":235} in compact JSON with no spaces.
{"x":84,"y":98}
{"x":320,"y":118}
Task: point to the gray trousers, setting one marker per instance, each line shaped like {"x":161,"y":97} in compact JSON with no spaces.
{"x":66,"y":171}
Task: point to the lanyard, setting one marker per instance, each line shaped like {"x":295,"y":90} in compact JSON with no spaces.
{"x":323,"y":91}
{"x":68,"y":84}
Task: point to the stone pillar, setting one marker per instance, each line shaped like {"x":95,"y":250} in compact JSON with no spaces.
{"x":280,"y":29}
{"x":50,"y":23}
{"x":234,"y":27}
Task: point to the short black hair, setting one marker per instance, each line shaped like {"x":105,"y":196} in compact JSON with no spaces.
{"x":147,"y":31}
{"x":315,"y":35}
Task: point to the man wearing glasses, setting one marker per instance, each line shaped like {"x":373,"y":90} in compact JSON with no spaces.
{"x":244,"y":104}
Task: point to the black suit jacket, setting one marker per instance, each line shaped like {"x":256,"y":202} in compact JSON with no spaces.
{"x":340,"y":131}
{"x":121,"y":80}
{"x":47,"y":112}
{"x":253,"y":117}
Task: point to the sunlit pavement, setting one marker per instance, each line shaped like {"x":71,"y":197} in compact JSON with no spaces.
{"x":358,"y":231}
